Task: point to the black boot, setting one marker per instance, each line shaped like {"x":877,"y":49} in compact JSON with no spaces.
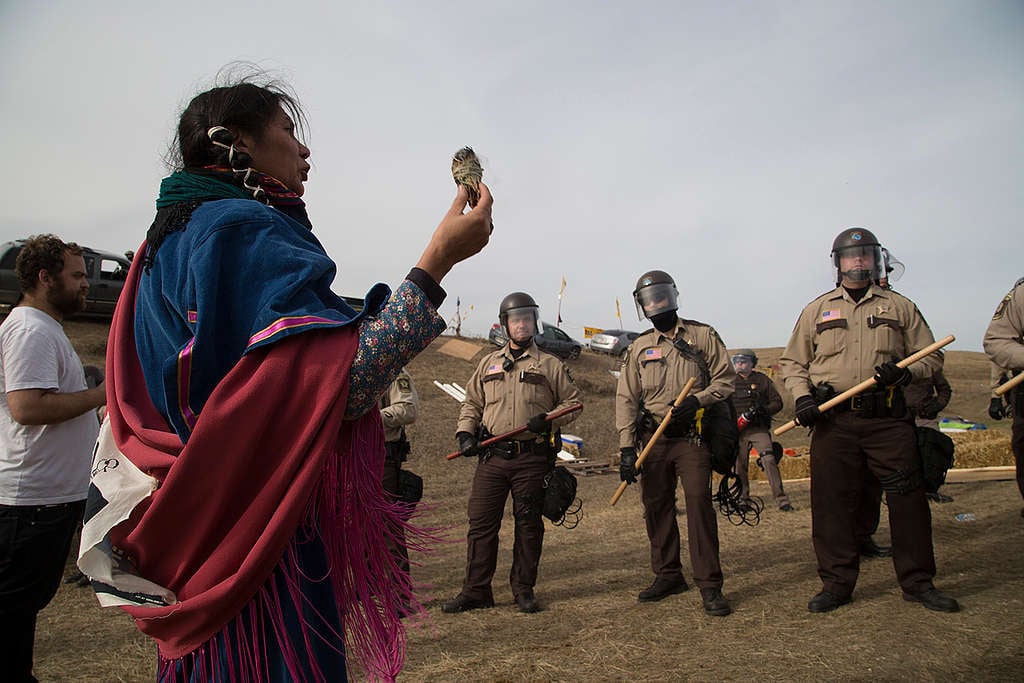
{"x":527,"y":602}
{"x":933,"y":600}
{"x":826,"y":602}
{"x":662,"y":588}
{"x":715,"y":603}
{"x":464,"y":603}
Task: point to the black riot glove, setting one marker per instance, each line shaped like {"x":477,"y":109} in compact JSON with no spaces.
{"x":889,"y":374}
{"x":469,"y":445}
{"x":807,"y":412}
{"x":683,"y":414}
{"x":538,"y":424}
{"x":627,"y":465}
{"x":996,"y":409}
{"x":930,"y":409}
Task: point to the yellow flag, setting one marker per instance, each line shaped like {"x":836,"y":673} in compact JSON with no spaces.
{"x":562,"y":289}
{"x":618,"y":314}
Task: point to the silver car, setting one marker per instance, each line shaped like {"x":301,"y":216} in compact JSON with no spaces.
{"x":614,"y":342}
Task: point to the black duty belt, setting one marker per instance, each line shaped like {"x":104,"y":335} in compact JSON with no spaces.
{"x":511,"y":448}
{"x":866,"y":404}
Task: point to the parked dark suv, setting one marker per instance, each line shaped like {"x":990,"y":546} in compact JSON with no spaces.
{"x":551,"y":339}
{"x":107,"y":273}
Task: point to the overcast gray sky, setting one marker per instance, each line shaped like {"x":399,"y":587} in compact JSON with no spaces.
{"x":725,"y":142}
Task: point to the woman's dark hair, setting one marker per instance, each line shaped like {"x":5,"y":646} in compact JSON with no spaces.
{"x":246,"y":102}
{"x":41,"y":252}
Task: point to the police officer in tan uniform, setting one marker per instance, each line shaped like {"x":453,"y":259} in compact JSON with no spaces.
{"x":657,"y":365}
{"x":516,"y":385}
{"x":398,"y":409}
{"x":756,"y":400}
{"x":1004,"y":345}
{"x":855,"y":332}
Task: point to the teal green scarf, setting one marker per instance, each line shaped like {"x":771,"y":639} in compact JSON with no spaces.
{"x":184,"y":186}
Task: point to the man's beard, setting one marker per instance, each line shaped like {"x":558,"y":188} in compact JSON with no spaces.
{"x":66,"y":301}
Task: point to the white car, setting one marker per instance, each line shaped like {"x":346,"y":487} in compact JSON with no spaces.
{"x":614,"y":342}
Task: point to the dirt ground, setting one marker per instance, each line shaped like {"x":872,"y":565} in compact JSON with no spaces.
{"x":593,"y":628}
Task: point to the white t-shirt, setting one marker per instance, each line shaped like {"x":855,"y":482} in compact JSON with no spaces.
{"x":42,"y":464}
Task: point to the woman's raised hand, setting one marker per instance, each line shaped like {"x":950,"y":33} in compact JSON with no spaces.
{"x":459,"y":235}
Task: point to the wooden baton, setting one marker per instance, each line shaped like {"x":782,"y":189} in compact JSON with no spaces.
{"x":657,"y":435}
{"x":1014,"y":381}
{"x":869,"y":383}
{"x":519,"y":430}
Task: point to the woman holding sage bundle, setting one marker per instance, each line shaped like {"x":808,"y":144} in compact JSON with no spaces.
{"x":241,"y":522}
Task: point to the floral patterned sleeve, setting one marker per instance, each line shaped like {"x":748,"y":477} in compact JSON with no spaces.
{"x":404,"y":327}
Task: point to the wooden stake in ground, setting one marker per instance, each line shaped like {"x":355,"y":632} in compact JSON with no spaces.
{"x":654,"y":439}
{"x":869,"y":383}
{"x":467,"y":171}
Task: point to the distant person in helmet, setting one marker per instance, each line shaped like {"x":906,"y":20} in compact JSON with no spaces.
{"x":855,"y":332}
{"x":756,"y":400}
{"x":653,"y":373}
{"x":517,"y":384}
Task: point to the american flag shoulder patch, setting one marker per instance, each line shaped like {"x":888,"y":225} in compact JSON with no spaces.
{"x":652,"y":354}
{"x":493,"y":368}
{"x":831,"y":314}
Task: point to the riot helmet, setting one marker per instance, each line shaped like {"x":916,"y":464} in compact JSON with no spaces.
{"x":515,"y":308}
{"x":862,"y":252}
{"x":744,"y":355}
{"x":655,"y":294}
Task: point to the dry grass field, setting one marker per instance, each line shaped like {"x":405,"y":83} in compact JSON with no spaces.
{"x":593,"y":629}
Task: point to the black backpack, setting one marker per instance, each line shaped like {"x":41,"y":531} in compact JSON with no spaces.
{"x":936,"y":451}
{"x":560,"y":496}
{"x":718,"y":427}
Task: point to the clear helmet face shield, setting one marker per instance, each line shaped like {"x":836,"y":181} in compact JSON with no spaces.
{"x":892,"y":268}
{"x":857,"y":264}
{"x":654,"y":299}
{"x":521,"y":324}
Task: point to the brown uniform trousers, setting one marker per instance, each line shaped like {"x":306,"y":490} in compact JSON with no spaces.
{"x":756,"y":435}
{"x":653,"y":373}
{"x":672,"y":460}
{"x":934,"y":389}
{"x":842,"y":448}
{"x":1004,"y":344}
{"x":503,"y":394}
{"x":399,"y":408}
{"x":840,"y":341}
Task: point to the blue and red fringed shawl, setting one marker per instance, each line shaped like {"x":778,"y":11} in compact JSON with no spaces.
{"x":269,"y":456}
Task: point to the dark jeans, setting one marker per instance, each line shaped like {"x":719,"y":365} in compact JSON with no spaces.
{"x":34,"y":544}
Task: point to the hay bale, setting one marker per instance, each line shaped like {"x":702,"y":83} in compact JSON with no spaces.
{"x":981,"y":448}
{"x":974,"y":448}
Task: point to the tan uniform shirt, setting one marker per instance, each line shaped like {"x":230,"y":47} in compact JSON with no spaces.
{"x":839,"y":341}
{"x":505,"y":399}
{"x":399,"y":406}
{"x":1003,"y":342}
{"x":655,"y":371}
